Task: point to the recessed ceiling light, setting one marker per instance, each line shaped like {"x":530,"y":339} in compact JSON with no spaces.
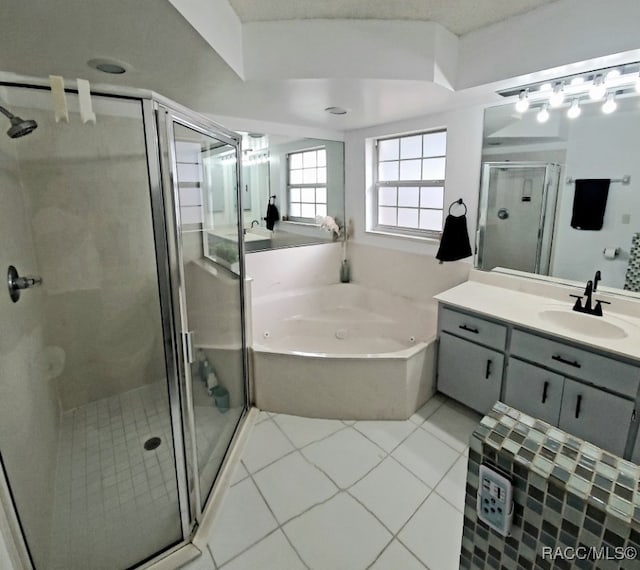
{"x":110,"y":66}
{"x":336,"y":110}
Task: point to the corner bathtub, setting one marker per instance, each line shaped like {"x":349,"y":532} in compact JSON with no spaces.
{"x":343,"y":351}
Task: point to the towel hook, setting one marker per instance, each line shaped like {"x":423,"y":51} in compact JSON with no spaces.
{"x":460,"y":202}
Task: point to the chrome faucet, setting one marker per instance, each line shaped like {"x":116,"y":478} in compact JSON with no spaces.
{"x":254,"y":222}
{"x":589,"y":290}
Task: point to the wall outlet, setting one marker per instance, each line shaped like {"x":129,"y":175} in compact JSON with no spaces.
{"x":495,"y":500}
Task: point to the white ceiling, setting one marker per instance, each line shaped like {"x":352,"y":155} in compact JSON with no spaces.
{"x":458,"y":16}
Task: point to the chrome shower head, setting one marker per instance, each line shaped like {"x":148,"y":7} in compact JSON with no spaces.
{"x":19,"y":126}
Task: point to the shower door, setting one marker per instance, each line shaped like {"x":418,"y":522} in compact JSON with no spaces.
{"x":86,"y":432}
{"x":206,"y":257}
{"x":516,"y":216}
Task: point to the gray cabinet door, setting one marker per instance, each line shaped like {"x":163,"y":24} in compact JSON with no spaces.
{"x":597,"y":416}
{"x":534,"y":391}
{"x":469,"y":373}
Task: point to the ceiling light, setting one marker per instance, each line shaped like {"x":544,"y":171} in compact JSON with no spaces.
{"x":523,"y":101}
{"x":543,"y":115}
{"x":610,"y":105}
{"x":110,"y":66}
{"x":336,"y":110}
{"x":574,"y":111}
{"x":598,"y":89}
{"x":557,"y":97}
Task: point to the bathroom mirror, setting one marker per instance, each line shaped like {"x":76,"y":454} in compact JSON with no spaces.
{"x":527,"y":190}
{"x":302,"y":177}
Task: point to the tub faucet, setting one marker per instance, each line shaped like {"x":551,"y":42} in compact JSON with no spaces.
{"x":254,"y":222}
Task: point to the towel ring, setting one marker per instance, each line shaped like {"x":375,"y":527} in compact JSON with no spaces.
{"x":461,"y":203}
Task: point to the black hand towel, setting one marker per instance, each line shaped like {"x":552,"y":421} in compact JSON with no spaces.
{"x":273,"y":215}
{"x":589,"y":203}
{"x":454,"y":243}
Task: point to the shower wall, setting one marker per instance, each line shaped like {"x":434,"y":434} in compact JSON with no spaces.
{"x":28,"y":402}
{"x":88,"y":190}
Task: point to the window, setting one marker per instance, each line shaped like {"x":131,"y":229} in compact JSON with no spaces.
{"x":409,"y":184}
{"x":307,"y":184}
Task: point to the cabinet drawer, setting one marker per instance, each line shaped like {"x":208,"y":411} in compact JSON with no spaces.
{"x":579,"y":363}
{"x":474,"y":328}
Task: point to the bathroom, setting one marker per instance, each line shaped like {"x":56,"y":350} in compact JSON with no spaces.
{"x":189,"y":388}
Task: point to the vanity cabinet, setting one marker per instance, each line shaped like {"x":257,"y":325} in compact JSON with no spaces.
{"x":534,"y":390}
{"x":591,"y":395}
{"x":469,"y":373}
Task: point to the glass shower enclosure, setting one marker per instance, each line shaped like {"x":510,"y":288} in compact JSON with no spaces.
{"x":124,"y":371}
{"x":516,"y":215}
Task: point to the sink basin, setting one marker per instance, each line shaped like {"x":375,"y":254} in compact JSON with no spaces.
{"x":586,"y":325}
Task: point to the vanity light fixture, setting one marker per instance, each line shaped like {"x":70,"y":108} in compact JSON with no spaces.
{"x":543,"y":114}
{"x":545,"y":87}
{"x":613,"y":74}
{"x":598,"y":89}
{"x":575,"y":110}
{"x":557,"y":97}
{"x":577,"y":81}
{"x":523,"y":101}
{"x":610,"y":105}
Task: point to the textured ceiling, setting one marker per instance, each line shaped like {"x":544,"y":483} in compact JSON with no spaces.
{"x":458,"y":16}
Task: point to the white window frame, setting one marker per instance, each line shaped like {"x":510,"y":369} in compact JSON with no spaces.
{"x":325,"y":185}
{"x":377,"y":184}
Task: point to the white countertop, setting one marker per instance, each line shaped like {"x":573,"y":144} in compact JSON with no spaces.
{"x":523,"y":309}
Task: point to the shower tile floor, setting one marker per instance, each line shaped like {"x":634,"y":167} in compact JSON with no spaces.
{"x":115,"y":502}
{"x":332,"y":495}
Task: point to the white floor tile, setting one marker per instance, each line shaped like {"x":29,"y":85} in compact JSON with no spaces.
{"x":429,"y":408}
{"x":452,"y":486}
{"x":239,"y":474}
{"x":266,"y":444}
{"x":291,"y":485}
{"x":387,"y":434}
{"x":425,"y":456}
{"x":337,"y":535}
{"x":345,"y":456}
{"x":262,"y":416}
{"x":243,"y":520}
{"x":434,"y":534}
{"x":453,"y":424}
{"x":303,"y":431}
{"x":271,"y":553}
{"x":391,"y":493}
{"x":397,"y":557}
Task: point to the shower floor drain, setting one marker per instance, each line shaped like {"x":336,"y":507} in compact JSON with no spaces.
{"x":152,"y":443}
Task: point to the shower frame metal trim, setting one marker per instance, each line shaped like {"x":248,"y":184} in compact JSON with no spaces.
{"x":151,"y":102}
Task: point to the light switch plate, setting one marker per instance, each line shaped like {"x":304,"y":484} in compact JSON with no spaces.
{"x":495,"y":500}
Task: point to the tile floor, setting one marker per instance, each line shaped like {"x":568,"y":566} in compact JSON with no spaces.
{"x":332,"y":495}
{"x":108,"y":486}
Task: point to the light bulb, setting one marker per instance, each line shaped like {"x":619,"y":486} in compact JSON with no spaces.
{"x":575,"y":110}
{"x":557,"y":97}
{"x":613,"y":74}
{"x":523,"y":101}
{"x":543,"y":115}
{"x":598,"y":89}
{"x":610,"y":105}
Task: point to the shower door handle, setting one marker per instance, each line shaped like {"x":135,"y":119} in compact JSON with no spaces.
{"x":187,"y":343}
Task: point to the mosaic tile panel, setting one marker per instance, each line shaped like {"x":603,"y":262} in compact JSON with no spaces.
{"x":575,"y":505}
{"x":632,"y":279}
